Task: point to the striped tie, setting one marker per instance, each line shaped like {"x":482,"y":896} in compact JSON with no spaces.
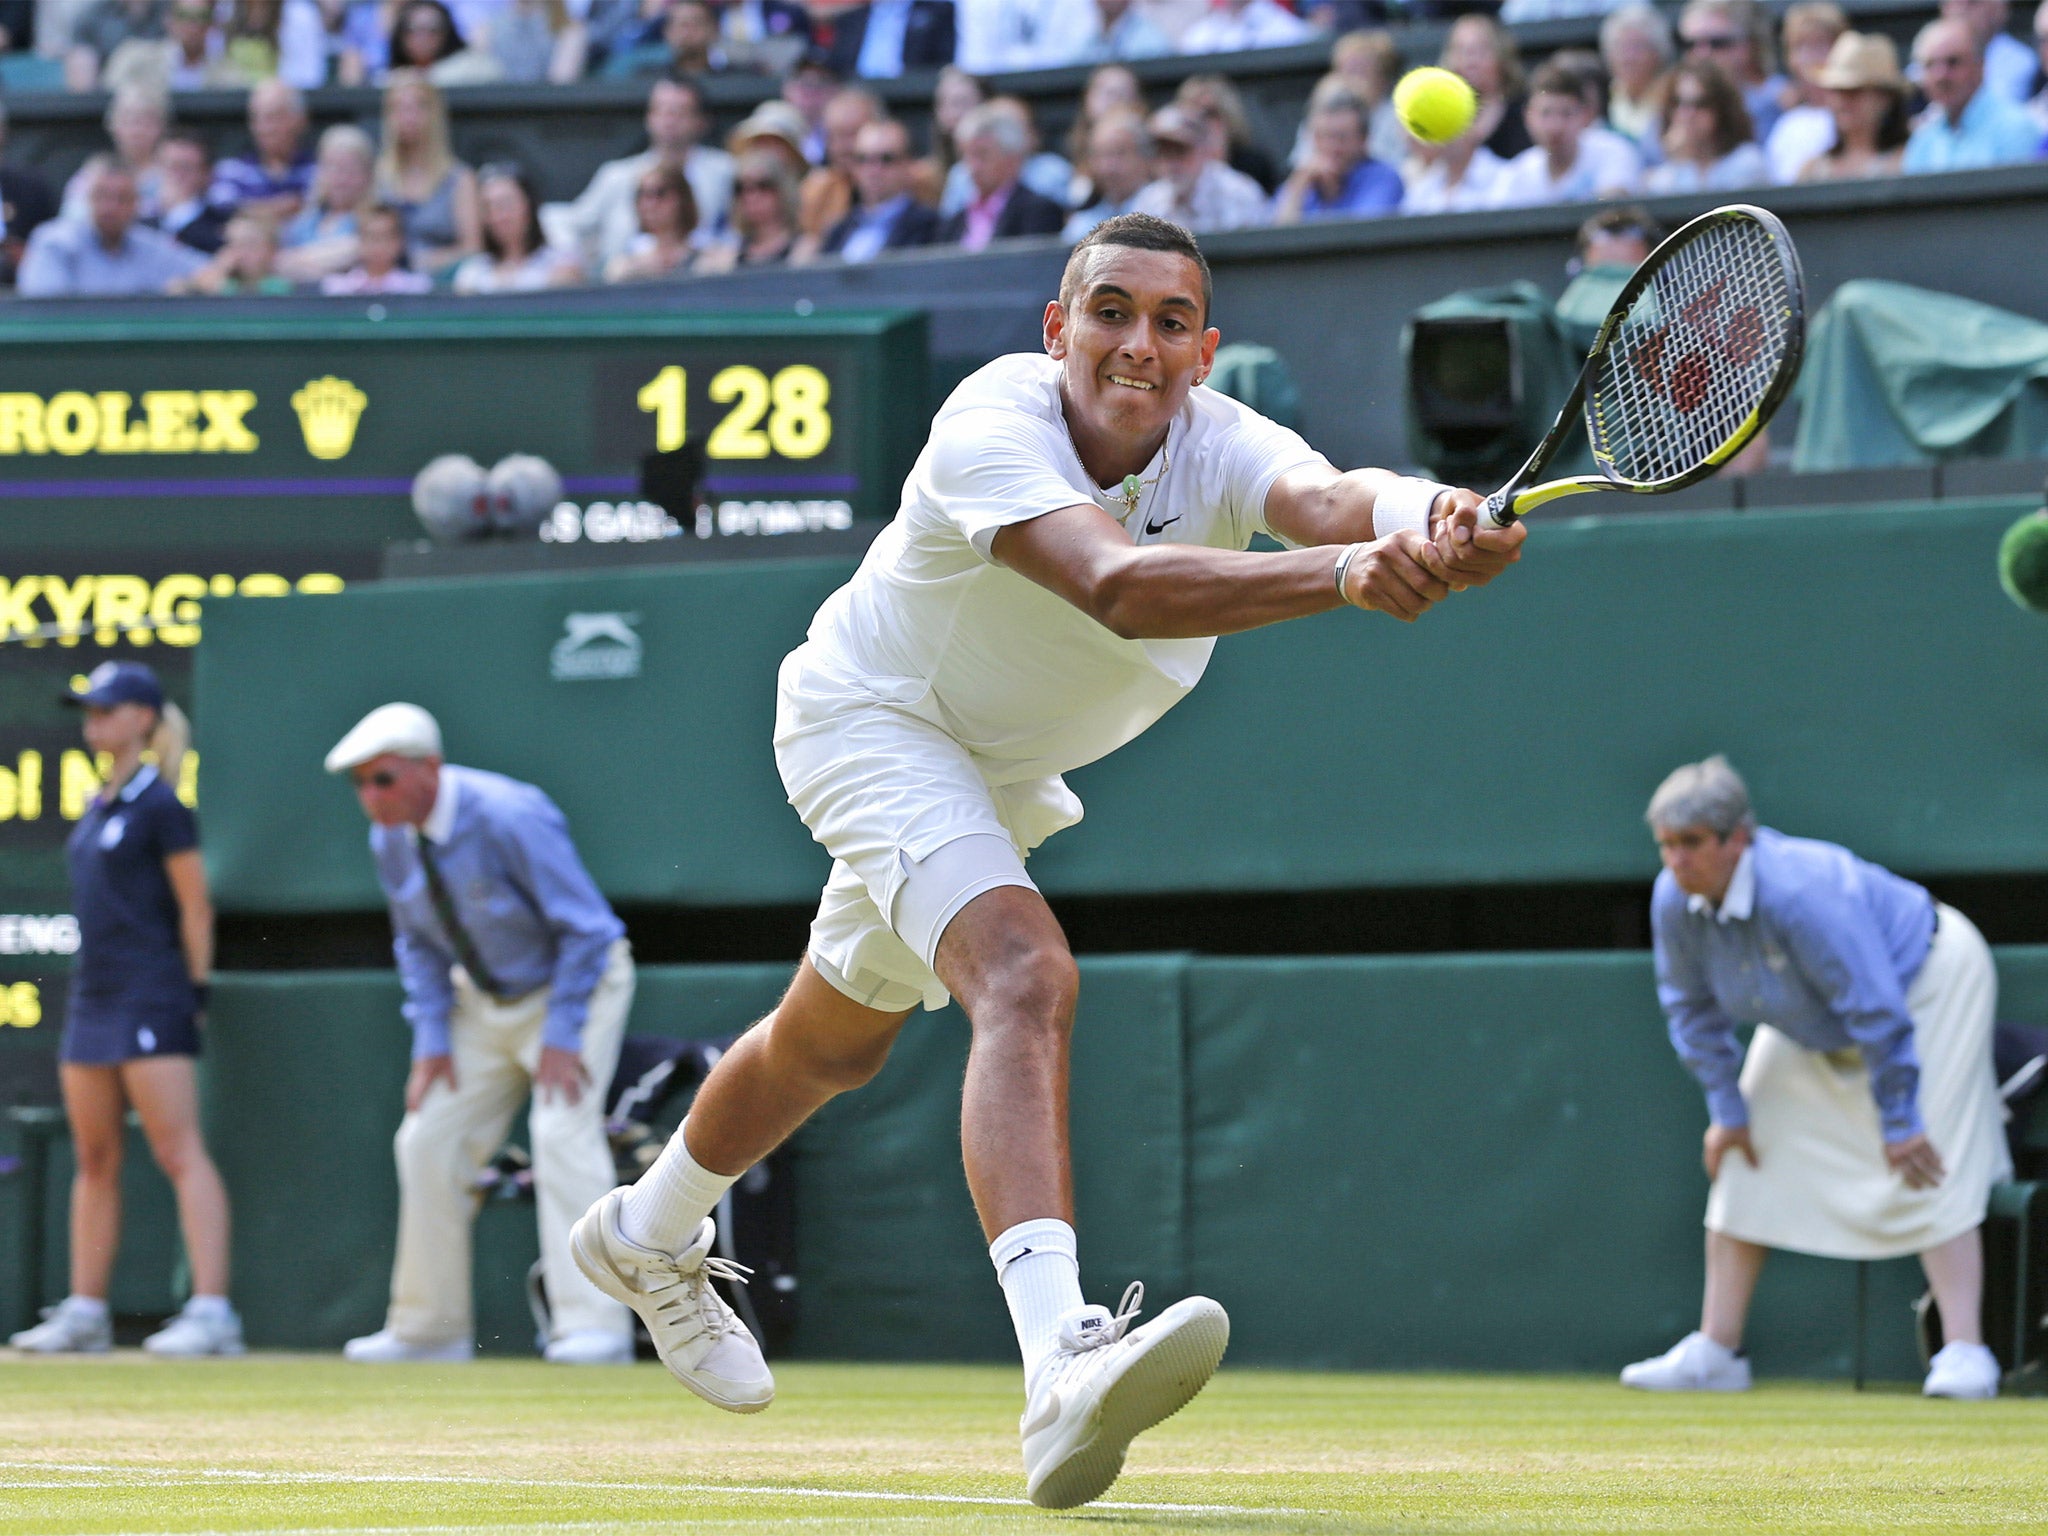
{"x":444,"y":909}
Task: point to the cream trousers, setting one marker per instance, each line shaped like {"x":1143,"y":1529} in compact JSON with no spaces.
{"x":446,"y":1142}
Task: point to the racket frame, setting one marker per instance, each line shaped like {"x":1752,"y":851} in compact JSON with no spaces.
{"x":1519,"y":496}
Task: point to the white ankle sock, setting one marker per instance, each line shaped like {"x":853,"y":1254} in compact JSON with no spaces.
{"x":1039,"y":1266}
{"x":91,"y":1306}
{"x":664,"y":1209}
{"x":203,"y":1305}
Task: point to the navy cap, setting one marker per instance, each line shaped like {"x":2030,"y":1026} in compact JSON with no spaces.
{"x":118,"y":682}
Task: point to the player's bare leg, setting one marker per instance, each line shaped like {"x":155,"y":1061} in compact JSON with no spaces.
{"x":1092,"y":1381}
{"x":817,"y":1044}
{"x":649,"y":1245}
{"x":1006,"y":960}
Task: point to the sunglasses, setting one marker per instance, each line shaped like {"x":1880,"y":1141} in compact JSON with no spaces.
{"x":1716,"y":42}
{"x":1692,"y":103}
{"x":888,"y":159}
{"x":383,"y":778}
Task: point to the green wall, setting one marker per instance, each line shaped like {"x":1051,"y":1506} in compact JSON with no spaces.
{"x":1484,"y":1161}
{"x":1861,"y":667}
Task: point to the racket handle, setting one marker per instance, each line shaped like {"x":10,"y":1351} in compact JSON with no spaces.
{"x":1494,"y":513}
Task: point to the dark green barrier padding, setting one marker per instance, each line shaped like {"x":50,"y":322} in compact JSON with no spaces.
{"x":1862,"y":668}
{"x":1473,"y":1162}
{"x":305,"y":1082}
{"x":1483,"y":1161}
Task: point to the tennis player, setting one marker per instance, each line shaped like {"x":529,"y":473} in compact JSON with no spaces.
{"x":1070,"y":542}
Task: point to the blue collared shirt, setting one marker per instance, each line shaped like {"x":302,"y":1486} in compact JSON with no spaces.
{"x":1370,"y":188}
{"x":1992,"y":131}
{"x":871,"y":229}
{"x":1811,"y":940}
{"x":65,"y":257}
{"x":520,"y":891}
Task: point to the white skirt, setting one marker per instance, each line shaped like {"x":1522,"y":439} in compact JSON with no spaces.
{"x":1822,"y":1185}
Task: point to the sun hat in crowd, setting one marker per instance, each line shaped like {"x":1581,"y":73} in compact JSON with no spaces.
{"x":1862,"y":61}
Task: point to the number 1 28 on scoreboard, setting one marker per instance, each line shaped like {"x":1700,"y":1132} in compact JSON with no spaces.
{"x":785,"y":414}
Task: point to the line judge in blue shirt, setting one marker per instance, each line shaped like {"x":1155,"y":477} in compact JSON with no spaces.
{"x":517,"y":977}
{"x":1865,"y":1121}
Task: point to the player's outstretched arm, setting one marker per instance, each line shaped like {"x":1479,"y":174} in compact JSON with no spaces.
{"x":1179,"y":591}
{"x":1315,"y":504}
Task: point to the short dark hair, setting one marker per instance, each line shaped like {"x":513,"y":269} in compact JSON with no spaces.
{"x":1619,"y":224}
{"x":1555,"y":79}
{"x":1136,"y":232}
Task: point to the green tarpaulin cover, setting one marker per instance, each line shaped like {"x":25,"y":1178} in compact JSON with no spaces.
{"x":1902,"y":375}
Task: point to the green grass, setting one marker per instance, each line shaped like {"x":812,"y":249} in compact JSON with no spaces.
{"x":306,"y":1444}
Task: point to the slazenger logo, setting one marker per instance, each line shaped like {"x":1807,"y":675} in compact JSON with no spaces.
{"x":596,"y":647}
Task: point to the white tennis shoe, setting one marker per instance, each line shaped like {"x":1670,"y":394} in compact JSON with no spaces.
{"x":1965,"y":1371}
{"x":1695,"y":1363}
{"x":200,"y":1329}
{"x":1107,"y":1383}
{"x":386,"y":1348}
{"x":590,"y":1346}
{"x":68,"y":1329}
{"x":699,"y":1338}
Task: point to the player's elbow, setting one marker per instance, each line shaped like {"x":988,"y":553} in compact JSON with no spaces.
{"x":1118,"y":600}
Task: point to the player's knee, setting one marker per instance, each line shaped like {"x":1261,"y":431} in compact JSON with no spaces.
{"x":837,"y":1064}
{"x":1031,"y":986}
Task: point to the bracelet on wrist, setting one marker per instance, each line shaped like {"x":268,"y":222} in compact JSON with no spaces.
{"x":1343,"y":568}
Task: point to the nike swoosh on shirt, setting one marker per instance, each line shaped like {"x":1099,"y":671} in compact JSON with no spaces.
{"x":1152,"y":527}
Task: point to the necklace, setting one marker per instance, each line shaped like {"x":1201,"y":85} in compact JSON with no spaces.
{"x":1132,"y":487}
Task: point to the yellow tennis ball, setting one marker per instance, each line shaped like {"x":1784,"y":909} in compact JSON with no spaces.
{"x":1434,"y":104}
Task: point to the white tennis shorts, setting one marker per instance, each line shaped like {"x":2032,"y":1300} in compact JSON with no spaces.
{"x":914,"y":828}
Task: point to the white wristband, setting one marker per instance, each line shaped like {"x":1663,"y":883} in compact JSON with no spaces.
{"x":1405,"y":503}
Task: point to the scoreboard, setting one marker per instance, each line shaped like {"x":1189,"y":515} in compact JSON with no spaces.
{"x":299,"y":430}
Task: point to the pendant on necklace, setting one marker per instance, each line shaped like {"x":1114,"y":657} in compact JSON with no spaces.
{"x":1132,"y":486}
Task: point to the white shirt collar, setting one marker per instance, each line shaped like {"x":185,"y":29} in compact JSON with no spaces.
{"x":138,"y":781}
{"x":441,"y":819}
{"x":1738,"y":903}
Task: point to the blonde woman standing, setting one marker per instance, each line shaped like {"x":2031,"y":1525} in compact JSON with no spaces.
{"x":418,"y":174}
{"x":138,"y":996}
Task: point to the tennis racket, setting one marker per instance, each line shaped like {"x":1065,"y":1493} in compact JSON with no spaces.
{"x":1700,"y":348}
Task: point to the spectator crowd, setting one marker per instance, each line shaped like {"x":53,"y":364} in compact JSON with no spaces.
{"x":1713,"y":96}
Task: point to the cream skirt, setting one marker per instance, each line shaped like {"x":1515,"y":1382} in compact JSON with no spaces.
{"x":1822,"y":1185}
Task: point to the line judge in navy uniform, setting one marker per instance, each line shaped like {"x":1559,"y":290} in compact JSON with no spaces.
{"x":517,"y":979}
{"x":138,"y":992}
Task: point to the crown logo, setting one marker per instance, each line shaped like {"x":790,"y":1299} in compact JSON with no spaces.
{"x":328,"y":410}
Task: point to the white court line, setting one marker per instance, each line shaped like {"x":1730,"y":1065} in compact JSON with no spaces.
{"x":199,"y":1477}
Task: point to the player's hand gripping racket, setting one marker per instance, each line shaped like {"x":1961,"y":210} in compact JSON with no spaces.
{"x":1701,"y":346}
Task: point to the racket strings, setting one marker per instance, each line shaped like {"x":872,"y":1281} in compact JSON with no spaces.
{"x":1695,"y":355}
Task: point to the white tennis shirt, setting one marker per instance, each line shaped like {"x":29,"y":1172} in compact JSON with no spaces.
{"x":1021,"y":678}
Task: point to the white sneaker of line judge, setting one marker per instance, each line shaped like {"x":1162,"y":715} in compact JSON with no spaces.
{"x":1695,"y":1363}
{"x":699,"y":1338}
{"x":1968,"y":1371}
{"x":1105,"y":1383}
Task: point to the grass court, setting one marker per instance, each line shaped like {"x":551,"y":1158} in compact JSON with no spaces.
{"x":306,"y":1444}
